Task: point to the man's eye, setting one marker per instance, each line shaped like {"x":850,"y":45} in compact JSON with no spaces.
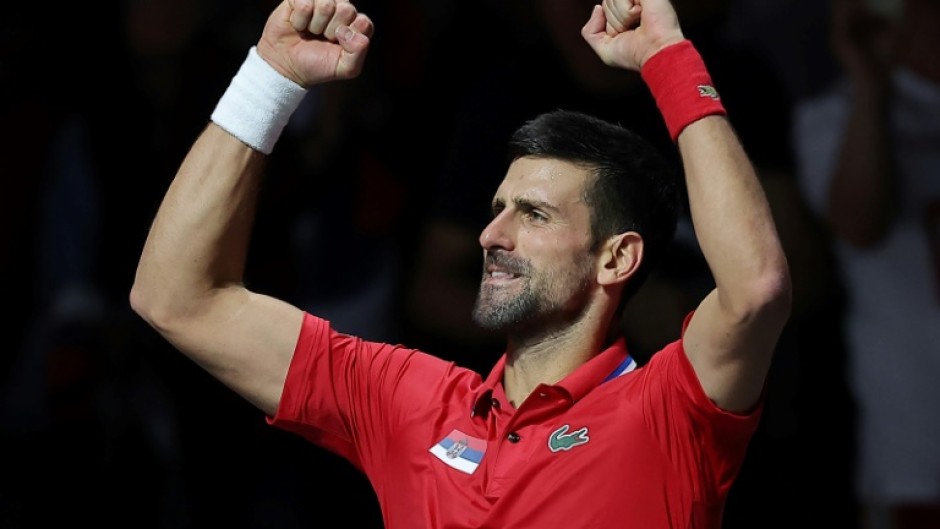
{"x":537,"y":215}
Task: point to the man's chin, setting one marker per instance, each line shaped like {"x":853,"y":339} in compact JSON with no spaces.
{"x":498,"y":319}
{"x":488,"y":317}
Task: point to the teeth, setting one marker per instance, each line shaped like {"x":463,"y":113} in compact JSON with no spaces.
{"x":501,"y":275}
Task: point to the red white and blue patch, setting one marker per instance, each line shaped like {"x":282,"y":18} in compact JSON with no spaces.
{"x":460,"y":451}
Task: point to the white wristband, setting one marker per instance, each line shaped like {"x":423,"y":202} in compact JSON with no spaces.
{"x":258,"y":103}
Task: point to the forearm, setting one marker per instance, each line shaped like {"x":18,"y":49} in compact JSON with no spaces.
{"x":862,"y":194}
{"x":732,"y":219}
{"x":730,"y":211}
{"x":198,"y":241}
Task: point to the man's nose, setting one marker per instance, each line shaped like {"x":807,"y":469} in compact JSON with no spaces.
{"x":498,"y":233}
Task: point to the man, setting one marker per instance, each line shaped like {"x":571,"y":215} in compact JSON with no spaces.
{"x":564,"y":429}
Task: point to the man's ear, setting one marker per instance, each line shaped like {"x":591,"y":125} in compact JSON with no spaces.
{"x":620,"y":256}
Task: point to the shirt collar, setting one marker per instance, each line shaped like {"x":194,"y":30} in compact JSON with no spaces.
{"x":610,"y":363}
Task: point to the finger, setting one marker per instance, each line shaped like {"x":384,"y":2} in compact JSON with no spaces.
{"x":355,"y":44}
{"x":353,"y":41}
{"x":661,"y":7}
{"x":623,"y":16}
{"x":323,"y":11}
{"x":595,"y":24}
{"x":363,"y":24}
{"x":301,"y":11}
{"x":616,"y":13}
{"x":343,"y":16}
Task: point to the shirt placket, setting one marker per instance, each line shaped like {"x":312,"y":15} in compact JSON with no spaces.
{"x":520,"y":434}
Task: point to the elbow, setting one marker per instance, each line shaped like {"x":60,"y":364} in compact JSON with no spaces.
{"x":153,"y":305}
{"x":142,"y":302}
{"x":772,"y":295}
{"x":139,"y":300}
{"x":779,"y":294}
{"x":768,"y":297}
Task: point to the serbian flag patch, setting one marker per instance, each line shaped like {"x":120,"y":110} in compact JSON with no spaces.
{"x":461,"y":451}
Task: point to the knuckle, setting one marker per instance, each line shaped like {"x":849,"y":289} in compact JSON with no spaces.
{"x":326,"y":7}
{"x":303,"y":6}
{"x":346,"y":9}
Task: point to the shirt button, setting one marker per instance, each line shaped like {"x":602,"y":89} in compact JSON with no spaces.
{"x":495,"y":403}
{"x":513,"y":437}
{"x":543,"y":395}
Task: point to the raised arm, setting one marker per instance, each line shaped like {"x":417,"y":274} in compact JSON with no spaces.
{"x":734,"y":331}
{"x":189,"y":282}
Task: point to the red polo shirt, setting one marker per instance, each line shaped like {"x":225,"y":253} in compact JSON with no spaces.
{"x":608,"y":446}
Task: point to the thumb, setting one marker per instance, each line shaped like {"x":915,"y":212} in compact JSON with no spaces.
{"x":355,"y":45}
{"x":351,"y":40}
{"x":593,"y":31}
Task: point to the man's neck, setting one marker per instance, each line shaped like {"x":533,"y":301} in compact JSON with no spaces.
{"x":550,"y":357}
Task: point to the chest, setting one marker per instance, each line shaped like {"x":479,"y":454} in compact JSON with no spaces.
{"x":546,"y":461}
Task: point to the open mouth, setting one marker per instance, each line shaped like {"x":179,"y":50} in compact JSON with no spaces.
{"x":501,"y":276}
{"x":500,"y":269}
{"x":497,"y":275}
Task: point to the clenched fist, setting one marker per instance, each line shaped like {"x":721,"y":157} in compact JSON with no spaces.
{"x":315,"y":41}
{"x":626,"y":33}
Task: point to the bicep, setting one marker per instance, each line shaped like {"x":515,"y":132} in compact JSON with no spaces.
{"x":243,"y":339}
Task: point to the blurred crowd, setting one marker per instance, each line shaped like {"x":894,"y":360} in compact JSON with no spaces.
{"x":372,"y":205}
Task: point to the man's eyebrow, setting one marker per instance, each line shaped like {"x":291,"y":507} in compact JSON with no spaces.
{"x":531,"y":203}
{"x":525,"y":204}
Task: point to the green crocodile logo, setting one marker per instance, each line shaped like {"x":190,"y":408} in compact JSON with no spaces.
{"x":561,"y":440}
{"x":705,"y":90}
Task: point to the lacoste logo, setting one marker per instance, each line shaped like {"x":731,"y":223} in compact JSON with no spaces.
{"x":561,"y":440}
{"x":705,"y":90}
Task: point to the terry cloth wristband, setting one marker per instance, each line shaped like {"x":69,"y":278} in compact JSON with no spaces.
{"x":681,"y":86}
{"x":258,"y":103}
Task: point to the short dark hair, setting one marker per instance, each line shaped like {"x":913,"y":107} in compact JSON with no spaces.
{"x":635,"y":187}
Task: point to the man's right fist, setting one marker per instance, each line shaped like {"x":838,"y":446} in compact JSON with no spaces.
{"x":316,"y":41}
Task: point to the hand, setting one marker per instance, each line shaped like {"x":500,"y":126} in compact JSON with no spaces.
{"x":315,"y":41}
{"x":626,"y":33}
